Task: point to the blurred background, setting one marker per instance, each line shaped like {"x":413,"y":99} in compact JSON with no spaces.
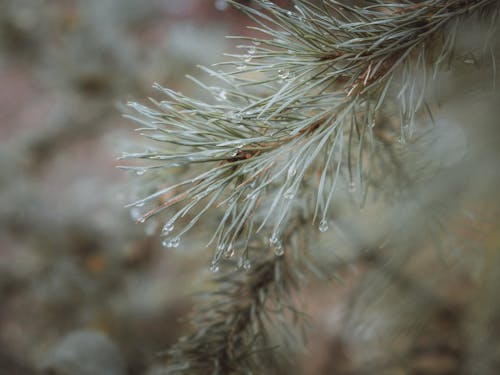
{"x":71,"y":256}
{"x":78,"y":275}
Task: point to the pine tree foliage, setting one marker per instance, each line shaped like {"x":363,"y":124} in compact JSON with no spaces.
{"x":324,"y":103}
{"x":232,"y":326}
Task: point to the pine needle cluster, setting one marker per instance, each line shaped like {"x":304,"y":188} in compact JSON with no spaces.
{"x":320,"y":105}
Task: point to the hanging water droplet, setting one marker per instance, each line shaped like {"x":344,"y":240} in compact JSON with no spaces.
{"x":140,"y":172}
{"x":214,"y":267}
{"x":141,"y":220}
{"x":221,"y":5}
{"x":352,"y":187}
{"x":256,"y":42}
{"x":172,"y":242}
{"x":289,"y":13}
{"x":237,"y":117}
{"x":279,"y":251}
{"x":252,"y":50}
{"x":247,"y":58}
{"x":274,"y":239}
{"x":247,"y":265}
{"x":241,"y":66}
{"x":276,"y":245}
{"x":241,"y":260}
{"x":252,"y":195}
{"x":291,"y":171}
{"x":401,"y":140}
{"x":221,"y":96}
{"x":289,"y":194}
{"x":323,"y":226}
{"x":140,"y":204}
{"x":168,"y":227}
{"x":283,"y":73}
{"x":175,"y":241}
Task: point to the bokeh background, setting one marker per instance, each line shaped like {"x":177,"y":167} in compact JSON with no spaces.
{"x":71,"y":256}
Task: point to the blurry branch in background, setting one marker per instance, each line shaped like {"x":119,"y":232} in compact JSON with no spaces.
{"x":333,"y":102}
{"x":232,"y":322}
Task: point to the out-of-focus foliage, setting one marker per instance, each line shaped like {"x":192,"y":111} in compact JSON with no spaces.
{"x":71,"y":257}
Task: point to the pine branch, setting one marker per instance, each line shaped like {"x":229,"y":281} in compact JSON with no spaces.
{"x":231,"y":334}
{"x":298,"y":106}
{"x":307,"y":110}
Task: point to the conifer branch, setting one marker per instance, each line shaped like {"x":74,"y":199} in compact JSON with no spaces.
{"x":299,"y":105}
{"x":294,"y":119}
{"x":231,"y":333}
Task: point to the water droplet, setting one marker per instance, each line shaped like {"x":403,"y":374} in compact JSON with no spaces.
{"x":323,"y":226}
{"x":279,"y":251}
{"x":247,"y":265}
{"x":168,"y":227}
{"x":252,"y":50}
{"x":247,"y":58}
{"x":252,"y":195}
{"x":221,"y":96}
{"x":256,"y":42}
{"x":214,"y":267}
{"x":289,"y":13}
{"x":289,"y":194}
{"x":274,"y":239}
{"x":276,"y":245}
{"x":352,"y":187}
{"x":290,"y":51}
{"x":221,"y":5}
{"x":237,"y":117}
{"x":283,"y":74}
{"x":140,"y":172}
{"x":241,"y":260}
{"x":241,"y":66}
{"x":172,"y":242}
{"x":141,"y":220}
{"x":401,"y":140}
{"x":291,"y":171}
